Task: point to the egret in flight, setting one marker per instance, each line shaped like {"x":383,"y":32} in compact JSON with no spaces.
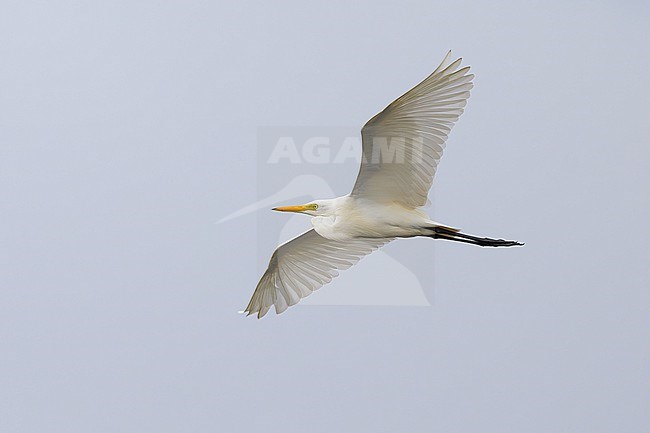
{"x":401,"y":147}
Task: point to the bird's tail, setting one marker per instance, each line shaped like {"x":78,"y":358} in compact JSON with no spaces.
{"x":450,"y":234}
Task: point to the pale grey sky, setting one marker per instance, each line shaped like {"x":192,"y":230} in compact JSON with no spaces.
{"x":128,"y":128}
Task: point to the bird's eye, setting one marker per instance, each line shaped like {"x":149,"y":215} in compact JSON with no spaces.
{"x":315,"y":206}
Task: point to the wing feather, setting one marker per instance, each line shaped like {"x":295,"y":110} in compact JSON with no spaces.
{"x":403,"y":144}
{"x":302,"y":265}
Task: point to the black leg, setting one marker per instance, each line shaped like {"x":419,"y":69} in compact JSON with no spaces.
{"x":442,"y":233}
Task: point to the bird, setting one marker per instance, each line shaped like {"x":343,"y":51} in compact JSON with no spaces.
{"x":401,"y":148}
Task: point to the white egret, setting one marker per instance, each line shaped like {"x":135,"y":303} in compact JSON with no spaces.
{"x":401,"y":149}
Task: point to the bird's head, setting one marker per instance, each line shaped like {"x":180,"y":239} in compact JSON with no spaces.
{"x":315,"y":208}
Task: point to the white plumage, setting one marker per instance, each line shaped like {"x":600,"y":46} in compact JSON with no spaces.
{"x":422,"y":119}
{"x":402,"y":146}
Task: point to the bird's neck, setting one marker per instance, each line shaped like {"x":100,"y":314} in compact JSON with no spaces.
{"x":329,"y":224}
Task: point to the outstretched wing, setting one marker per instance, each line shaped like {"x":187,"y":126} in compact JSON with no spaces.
{"x":302,"y":265}
{"x":403,"y":144}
